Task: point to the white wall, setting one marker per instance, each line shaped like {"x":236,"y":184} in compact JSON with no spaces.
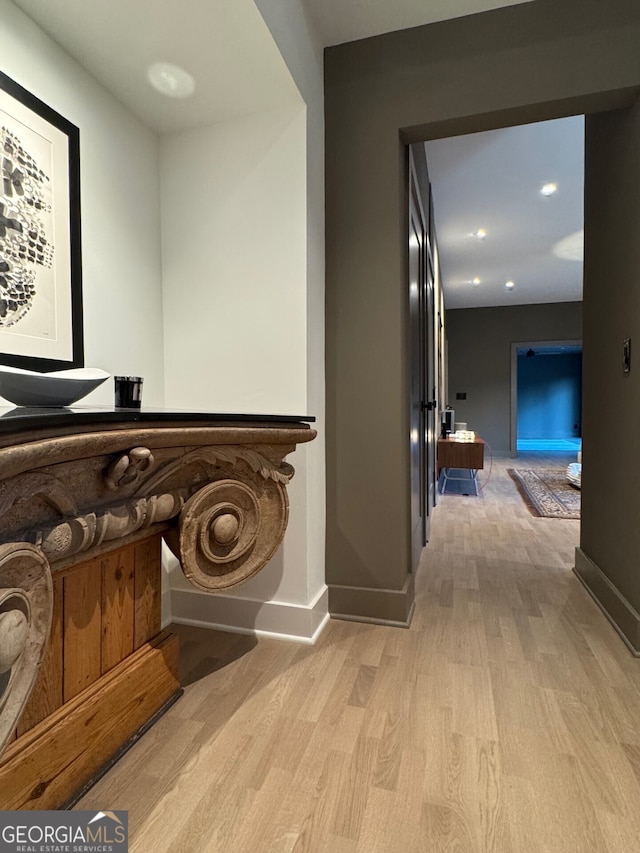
{"x":234,"y":259}
{"x":303,"y":55}
{"x":270,"y":178}
{"x":119,"y":203}
{"x":268,"y":211}
{"x":234,"y":264}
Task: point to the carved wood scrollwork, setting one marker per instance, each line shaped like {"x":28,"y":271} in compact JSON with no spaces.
{"x":206,"y":458}
{"x":229,"y":530}
{"x":26,"y":603}
{"x":77,"y":535}
{"x":127,"y":469}
{"x":231,"y":526}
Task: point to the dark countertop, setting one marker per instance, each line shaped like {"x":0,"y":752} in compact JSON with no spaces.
{"x":19,"y":418}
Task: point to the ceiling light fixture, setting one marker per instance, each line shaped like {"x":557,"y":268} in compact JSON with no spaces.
{"x":549,"y":189}
{"x":510,"y":285}
{"x":475,"y":282}
{"x":170,"y":80}
{"x":480,"y":233}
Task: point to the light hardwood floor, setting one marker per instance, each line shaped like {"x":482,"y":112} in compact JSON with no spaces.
{"x":505,"y":719}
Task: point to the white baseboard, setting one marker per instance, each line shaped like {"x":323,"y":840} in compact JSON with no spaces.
{"x":276,"y":619}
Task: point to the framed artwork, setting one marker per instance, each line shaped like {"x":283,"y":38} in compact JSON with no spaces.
{"x":40,"y":253}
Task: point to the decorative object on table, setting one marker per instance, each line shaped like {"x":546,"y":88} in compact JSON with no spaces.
{"x":463,"y":435}
{"x":59,"y":388}
{"x":448,"y":417}
{"x":40,"y":259}
{"x":546,"y":492}
{"x":128,"y":392}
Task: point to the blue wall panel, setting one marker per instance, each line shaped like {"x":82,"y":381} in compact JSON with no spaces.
{"x":550,"y":396}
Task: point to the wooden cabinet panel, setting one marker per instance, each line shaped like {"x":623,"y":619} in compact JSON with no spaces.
{"x":106,"y":664}
{"x":49,"y":764}
{"x":82,"y":633}
{"x":117,"y":607}
{"x":103,"y":610}
{"x":148,"y":582}
{"x":460,"y":454}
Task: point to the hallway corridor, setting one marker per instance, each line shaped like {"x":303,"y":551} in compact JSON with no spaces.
{"x":505,"y":719}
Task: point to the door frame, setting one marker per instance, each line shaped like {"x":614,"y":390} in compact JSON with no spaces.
{"x":417,"y":210}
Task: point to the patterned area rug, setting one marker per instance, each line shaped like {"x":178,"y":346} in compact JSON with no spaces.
{"x":546,"y":492}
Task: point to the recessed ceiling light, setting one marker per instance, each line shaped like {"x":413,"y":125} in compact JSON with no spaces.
{"x":510,"y":285}
{"x":480,"y":233}
{"x":549,"y":189}
{"x":475,"y":282}
{"x":170,"y":80}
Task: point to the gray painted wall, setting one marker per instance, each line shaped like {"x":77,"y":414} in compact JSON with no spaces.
{"x":610,"y":532}
{"x":532,"y":61}
{"x":480,"y":359}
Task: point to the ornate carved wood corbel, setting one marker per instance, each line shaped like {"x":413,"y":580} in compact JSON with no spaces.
{"x":216,"y":491}
{"x":26,"y":604}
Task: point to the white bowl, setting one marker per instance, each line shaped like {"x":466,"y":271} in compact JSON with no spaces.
{"x":60,"y":388}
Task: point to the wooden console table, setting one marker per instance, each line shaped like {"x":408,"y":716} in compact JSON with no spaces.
{"x":86,"y":497}
{"x":465,"y":455}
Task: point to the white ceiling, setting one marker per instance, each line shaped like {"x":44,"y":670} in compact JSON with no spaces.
{"x":224,"y":44}
{"x":492,"y":180}
{"x":338,"y":21}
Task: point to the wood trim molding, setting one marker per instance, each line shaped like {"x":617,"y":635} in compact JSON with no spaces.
{"x":620,"y":613}
{"x":379,"y":606}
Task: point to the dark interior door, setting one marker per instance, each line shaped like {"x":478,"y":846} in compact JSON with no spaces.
{"x":419,"y":517}
{"x":432,"y":415}
{"x":423,"y":419}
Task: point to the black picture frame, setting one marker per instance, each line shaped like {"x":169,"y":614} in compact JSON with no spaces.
{"x":41,"y":316}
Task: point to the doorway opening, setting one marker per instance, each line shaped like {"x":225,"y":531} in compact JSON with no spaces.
{"x":506,"y":218}
{"x":546,"y":396}
{"x":509,"y":218}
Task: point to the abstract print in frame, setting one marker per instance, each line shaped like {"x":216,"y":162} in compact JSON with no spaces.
{"x":40,"y":256}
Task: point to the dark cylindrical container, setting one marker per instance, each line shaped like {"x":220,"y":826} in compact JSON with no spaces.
{"x":128,"y":392}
